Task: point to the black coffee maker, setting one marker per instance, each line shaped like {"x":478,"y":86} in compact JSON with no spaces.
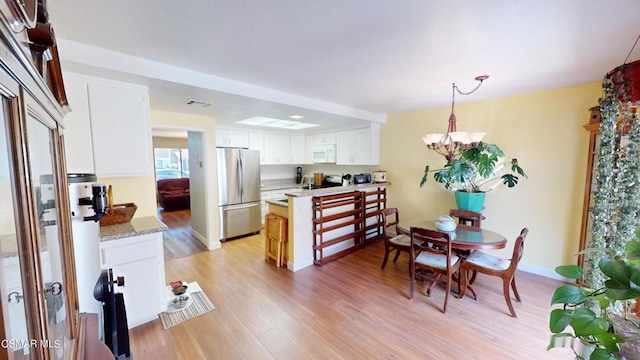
{"x":298,"y":175}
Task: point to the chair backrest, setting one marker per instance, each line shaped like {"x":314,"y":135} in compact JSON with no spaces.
{"x":432,"y":241}
{"x":467,"y":217}
{"x":518,"y":249}
{"x":391,"y":218}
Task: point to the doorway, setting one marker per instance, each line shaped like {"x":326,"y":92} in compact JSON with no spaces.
{"x":172,"y":150}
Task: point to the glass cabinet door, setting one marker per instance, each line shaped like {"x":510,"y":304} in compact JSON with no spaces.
{"x":49,"y":244}
{"x":11,"y":290}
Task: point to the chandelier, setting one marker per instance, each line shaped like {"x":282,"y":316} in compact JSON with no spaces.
{"x":454,"y":142}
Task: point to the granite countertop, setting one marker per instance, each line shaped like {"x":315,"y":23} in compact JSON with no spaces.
{"x":137,"y":226}
{"x":278,"y":184}
{"x":277,"y":202}
{"x":335,"y":190}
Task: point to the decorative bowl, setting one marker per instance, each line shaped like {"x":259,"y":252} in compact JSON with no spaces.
{"x":446,"y":226}
{"x":179,"y":290}
{"x":445,"y":219}
{"x":180,"y":301}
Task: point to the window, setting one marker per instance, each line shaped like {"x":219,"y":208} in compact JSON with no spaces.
{"x":171,"y":163}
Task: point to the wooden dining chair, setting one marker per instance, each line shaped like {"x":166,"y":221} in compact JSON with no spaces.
{"x":505,"y":269}
{"x":467,"y":217}
{"x":426,"y":258}
{"x":470,"y":218}
{"x":393,"y":240}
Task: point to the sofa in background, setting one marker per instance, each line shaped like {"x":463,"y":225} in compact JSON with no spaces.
{"x":173,"y":194}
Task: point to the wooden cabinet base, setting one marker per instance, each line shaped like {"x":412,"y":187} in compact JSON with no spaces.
{"x":89,"y":345}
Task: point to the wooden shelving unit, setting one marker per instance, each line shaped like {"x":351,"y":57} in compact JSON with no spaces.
{"x":374,"y":202}
{"x":346,"y":222}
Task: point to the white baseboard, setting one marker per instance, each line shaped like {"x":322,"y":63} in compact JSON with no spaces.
{"x":540,"y":271}
{"x":203,"y":240}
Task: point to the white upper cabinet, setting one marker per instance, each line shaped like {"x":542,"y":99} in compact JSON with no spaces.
{"x":121,"y":130}
{"x":324,"y":139}
{"x":232,"y":138}
{"x":78,"y":146}
{"x":298,"y":149}
{"x":110,"y":124}
{"x":256,"y":142}
{"x":359,"y":146}
{"x":277,"y":149}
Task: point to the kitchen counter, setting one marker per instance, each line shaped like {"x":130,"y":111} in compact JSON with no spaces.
{"x":137,"y":226}
{"x":278,"y":184}
{"x":334,"y":190}
{"x":300,"y":221}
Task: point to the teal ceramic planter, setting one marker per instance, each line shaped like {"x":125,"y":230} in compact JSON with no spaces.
{"x":469,"y":201}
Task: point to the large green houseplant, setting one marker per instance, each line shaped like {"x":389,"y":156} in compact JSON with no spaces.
{"x":591,"y":313}
{"x":477,"y":170}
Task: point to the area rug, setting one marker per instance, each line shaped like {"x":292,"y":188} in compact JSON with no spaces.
{"x":198,"y":306}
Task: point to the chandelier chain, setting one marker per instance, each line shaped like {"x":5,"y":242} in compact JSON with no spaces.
{"x":456,"y":88}
{"x":630,"y":51}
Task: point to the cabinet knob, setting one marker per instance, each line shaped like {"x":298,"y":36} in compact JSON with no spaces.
{"x":54,"y":289}
{"x":14,"y":297}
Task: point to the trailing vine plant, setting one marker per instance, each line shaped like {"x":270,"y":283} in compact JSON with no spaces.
{"x":603,"y":204}
{"x":617,"y":190}
{"x":628,"y":179}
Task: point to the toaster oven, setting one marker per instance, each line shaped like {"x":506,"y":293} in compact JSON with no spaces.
{"x":362,"y":179}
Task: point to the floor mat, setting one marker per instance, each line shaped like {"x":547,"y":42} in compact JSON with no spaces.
{"x":198,"y":306}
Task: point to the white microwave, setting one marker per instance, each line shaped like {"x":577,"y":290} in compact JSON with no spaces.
{"x":324,"y":154}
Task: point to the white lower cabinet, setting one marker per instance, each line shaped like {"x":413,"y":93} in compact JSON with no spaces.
{"x":140,"y":259}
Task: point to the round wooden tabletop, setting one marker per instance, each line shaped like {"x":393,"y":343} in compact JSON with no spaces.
{"x":465,"y":237}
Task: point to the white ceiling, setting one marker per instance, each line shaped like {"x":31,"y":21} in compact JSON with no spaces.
{"x":341,"y":62}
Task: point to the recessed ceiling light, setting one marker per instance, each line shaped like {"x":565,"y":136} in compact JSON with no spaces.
{"x":296,"y":117}
{"x":275,"y":123}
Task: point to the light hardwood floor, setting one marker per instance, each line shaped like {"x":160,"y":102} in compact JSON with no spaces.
{"x":178,"y":241}
{"x":347,"y":309}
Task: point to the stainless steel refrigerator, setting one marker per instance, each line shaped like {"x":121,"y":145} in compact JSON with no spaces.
{"x":238,"y":192}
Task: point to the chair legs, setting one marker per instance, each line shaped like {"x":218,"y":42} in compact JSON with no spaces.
{"x":515,"y":291}
{"x":466,"y":283}
{"x":395,"y":258}
{"x":386,"y":256}
{"x":507,"y":296}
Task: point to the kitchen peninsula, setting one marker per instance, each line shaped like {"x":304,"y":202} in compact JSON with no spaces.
{"x":298,"y":209}
{"x":134,"y":250}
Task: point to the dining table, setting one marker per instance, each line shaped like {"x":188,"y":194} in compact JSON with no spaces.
{"x":463,"y":238}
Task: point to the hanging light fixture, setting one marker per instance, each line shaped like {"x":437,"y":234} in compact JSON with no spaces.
{"x":454,"y":142}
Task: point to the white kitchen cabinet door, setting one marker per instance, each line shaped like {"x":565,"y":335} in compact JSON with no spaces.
{"x":344,"y":148}
{"x":140,"y":260}
{"x":277,"y":149}
{"x":256,"y":142}
{"x":298,"y":149}
{"x":362,"y":146}
{"x":78,"y":145}
{"x":120,"y":129}
{"x":232,"y":138}
{"x":359,"y":146}
{"x":324,"y":139}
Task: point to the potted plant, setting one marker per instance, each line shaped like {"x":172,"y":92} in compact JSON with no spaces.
{"x":477,"y":170}
{"x":592,"y":313}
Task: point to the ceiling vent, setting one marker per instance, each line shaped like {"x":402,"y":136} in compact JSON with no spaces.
{"x":198,"y":103}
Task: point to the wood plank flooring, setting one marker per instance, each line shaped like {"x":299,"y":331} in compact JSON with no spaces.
{"x":178,"y":240}
{"x":347,"y":309}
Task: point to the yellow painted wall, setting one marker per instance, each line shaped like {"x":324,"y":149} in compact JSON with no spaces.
{"x":543,"y":130}
{"x":140,"y":190}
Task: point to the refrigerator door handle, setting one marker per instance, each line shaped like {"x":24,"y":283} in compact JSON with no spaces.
{"x":239,"y":177}
{"x":237,"y":207}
